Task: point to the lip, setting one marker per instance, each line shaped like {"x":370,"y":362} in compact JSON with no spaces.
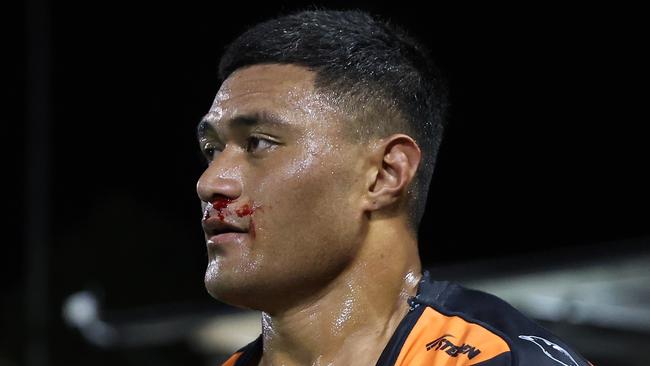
{"x":214,"y":226}
{"x":225,"y":238}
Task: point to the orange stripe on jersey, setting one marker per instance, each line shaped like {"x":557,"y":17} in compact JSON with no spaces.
{"x":231,"y":361}
{"x":440,"y":340}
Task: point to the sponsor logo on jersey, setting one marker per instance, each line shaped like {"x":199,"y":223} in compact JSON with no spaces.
{"x":444,"y":344}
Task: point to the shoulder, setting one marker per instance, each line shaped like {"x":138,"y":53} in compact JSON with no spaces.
{"x":480,"y":328}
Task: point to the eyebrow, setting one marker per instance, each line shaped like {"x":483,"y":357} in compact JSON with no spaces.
{"x":244,"y":120}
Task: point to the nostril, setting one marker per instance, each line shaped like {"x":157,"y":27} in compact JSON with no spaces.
{"x":221,"y":203}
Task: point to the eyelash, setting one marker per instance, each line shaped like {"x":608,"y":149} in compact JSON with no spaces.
{"x":259,"y":140}
{"x":209,"y":149}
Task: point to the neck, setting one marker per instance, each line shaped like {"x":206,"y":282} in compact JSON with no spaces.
{"x":360,"y":309}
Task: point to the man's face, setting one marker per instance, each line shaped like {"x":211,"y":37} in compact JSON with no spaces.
{"x":284,"y":181}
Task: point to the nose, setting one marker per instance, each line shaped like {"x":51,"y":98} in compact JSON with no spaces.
{"x":221,"y":179}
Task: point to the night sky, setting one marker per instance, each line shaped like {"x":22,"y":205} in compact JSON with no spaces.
{"x":546,"y":146}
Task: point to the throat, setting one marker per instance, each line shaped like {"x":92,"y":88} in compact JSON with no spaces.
{"x":362,"y":348}
{"x":353,"y":330}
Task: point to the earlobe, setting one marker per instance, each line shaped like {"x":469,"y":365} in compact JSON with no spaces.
{"x":397,"y":161}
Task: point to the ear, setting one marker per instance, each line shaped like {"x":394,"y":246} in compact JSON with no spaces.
{"x":395,"y":162}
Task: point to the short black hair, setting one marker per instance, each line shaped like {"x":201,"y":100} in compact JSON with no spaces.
{"x":362,"y":61}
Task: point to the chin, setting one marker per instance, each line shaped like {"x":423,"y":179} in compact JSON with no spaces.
{"x":232,"y":289}
{"x":229,"y":295}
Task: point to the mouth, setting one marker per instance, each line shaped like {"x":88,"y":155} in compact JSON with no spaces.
{"x":222,"y":222}
{"x":219,"y":233}
{"x":214,"y":226}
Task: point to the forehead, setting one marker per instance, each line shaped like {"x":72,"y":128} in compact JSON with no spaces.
{"x":286,"y":91}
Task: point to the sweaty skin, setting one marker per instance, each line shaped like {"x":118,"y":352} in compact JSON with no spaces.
{"x":331,"y":259}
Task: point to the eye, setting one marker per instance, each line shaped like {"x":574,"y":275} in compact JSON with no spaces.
{"x":255,"y":143}
{"x":209,"y":150}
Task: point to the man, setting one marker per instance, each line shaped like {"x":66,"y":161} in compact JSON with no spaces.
{"x":321,"y":144}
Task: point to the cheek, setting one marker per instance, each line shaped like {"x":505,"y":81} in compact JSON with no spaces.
{"x":305,"y":201}
{"x":304,"y":180}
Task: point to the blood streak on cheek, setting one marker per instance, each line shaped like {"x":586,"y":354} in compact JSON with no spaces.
{"x":245,"y":210}
{"x":248,"y":210}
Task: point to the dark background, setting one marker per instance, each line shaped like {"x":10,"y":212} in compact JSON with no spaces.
{"x":546,"y":149}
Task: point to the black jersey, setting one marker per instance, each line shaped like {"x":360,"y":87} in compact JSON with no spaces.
{"x":449,"y":325}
